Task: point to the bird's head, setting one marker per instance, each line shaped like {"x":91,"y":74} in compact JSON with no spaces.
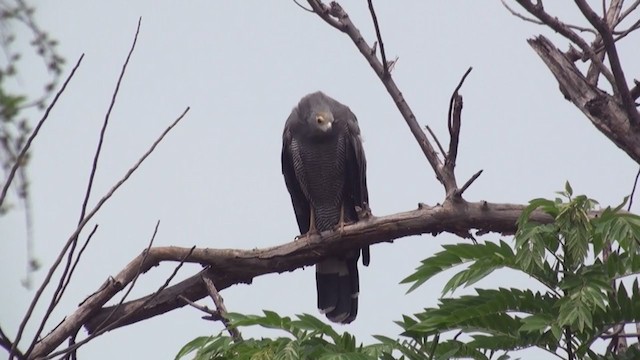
{"x":321,"y":120}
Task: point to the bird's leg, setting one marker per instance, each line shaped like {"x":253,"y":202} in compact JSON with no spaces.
{"x":312,"y":225}
{"x":312,"y":221}
{"x":341,"y":221}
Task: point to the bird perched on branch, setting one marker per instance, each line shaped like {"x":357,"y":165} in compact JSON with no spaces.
{"x":324,"y":168}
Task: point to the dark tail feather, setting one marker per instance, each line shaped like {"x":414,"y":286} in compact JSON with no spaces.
{"x":338,"y":286}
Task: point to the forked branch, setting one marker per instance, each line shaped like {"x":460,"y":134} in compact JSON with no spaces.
{"x":335,"y":16}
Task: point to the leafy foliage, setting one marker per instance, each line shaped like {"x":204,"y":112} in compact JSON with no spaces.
{"x":307,"y":338}
{"x":572,"y":257}
{"x":579,"y":258}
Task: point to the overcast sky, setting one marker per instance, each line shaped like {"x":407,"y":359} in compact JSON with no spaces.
{"x":216,"y":182}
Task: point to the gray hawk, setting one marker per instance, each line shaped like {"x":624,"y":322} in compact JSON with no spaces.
{"x":324,"y":168}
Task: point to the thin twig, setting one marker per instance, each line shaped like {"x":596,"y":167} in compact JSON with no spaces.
{"x":633,"y":190}
{"x":629,"y":10}
{"x":115,"y":323}
{"x":23,"y":324}
{"x":302,"y":7}
{"x":454,"y":123}
{"x":213,"y":314}
{"x":339,"y":19}
{"x":609,"y":336}
{"x":222,"y":310}
{"x":6,"y":343}
{"x":90,"y":215}
{"x":67,"y":273}
{"x":632,"y":28}
{"x":611,"y":16}
{"x":635,"y":92}
{"x":135,"y":278}
{"x":554,"y":23}
{"x":435,"y":138}
{"x":469,"y":182}
{"x":34,"y":133}
{"x":379,"y":36}
{"x":538,"y":22}
{"x":72,"y":355}
{"x":323,"y":11}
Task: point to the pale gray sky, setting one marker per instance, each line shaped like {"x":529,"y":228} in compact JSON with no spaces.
{"x":216,"y":182}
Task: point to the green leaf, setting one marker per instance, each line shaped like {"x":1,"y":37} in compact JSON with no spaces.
{"x":537,"y":323}
{"x":193,"y":345}
{"x":568,"y":189}
{"x":454,"y":255}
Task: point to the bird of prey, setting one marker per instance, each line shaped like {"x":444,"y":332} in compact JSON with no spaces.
{"x":324,"y":168}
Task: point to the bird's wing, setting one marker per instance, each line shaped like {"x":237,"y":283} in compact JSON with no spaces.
{"x":298,"y":199}
{"x":356,"y":165}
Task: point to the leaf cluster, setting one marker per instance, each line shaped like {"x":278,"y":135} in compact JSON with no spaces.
{"x":305,"y":337}
{"x":579,"y":258}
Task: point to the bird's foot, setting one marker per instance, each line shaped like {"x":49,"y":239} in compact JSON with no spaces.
{"x":364,"y":212}
{"x":307,"y":235}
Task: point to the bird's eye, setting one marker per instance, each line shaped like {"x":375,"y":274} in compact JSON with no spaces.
{"x":319,"y":119}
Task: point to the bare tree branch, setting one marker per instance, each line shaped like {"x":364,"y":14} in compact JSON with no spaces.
{"x":108,"y":327}
{"x":222,"y":310}
{"x":612,"y":17}
{"x":339,"y":19}
{"x":435,"y":138}
{"x":614,"y":60}
{"x":454,"y":124}
{"x":145,"y":253}
{"x":212,"y":314}
{"x":7,"y":344}
{"x":67,"y":273}
{"x":383,"y":56}
{"x":633,"y":190}
{"x":629,"y":10}
{"x":81,"y":226}
{"x":229,"y":267}
{"x":554,"y":23}
{"x":19,"y":160}
{"x":602,"y":109}
{"x":538,"y":22}
{"x":302,"y":7}
{"x":34,"y":133}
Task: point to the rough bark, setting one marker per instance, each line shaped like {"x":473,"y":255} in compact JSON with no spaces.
{"x":602,"y":109}
{"x":229,"y":267}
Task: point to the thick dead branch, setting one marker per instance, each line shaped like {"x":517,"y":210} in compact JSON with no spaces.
{"x":554,"y":23}
{"x":454,"y":123}
{"x":602,"y":109}
{"x":614,"y":60}
{"x":231,"y":267}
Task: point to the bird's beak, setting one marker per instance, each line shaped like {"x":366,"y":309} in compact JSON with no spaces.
{"x":323,"y":123}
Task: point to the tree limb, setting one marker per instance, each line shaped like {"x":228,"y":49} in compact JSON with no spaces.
{"x":602,"y":109}
{"x":614,"y":60}
{"x":229,"y":267}
{"x":335,"y":16}
{"x":222,"y":310}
